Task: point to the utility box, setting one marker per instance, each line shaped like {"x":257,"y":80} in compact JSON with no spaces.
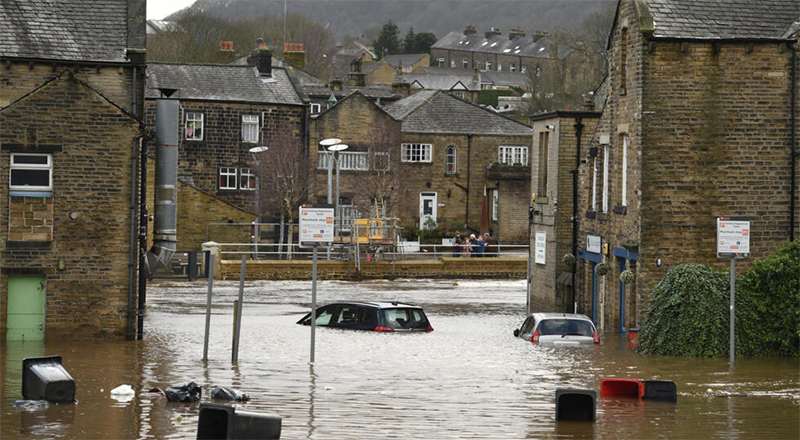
{"x":219,"y":421}
{"x":575,"y":405}
{"x":43,"y":378}
{"x":663,"y":390}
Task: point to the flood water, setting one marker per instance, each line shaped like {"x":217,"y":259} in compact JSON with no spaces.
{"x":470,"y":378}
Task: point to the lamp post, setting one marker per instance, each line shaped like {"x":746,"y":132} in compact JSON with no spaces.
{"x":326,"y":143}
{"x":256,"y":232}
{"x":337,"y":221}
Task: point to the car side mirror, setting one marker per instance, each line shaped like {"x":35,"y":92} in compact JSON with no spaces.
{"x":516,"y":333}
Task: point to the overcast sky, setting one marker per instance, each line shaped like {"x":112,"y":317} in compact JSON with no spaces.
{"x":158,"y":9}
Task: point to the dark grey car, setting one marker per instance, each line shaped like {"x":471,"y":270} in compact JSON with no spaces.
{"x":379,"y":317}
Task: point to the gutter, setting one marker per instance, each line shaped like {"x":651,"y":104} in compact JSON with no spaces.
{"x":578,"y":134}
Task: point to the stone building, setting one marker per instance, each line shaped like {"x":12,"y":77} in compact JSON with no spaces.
{"x":426,"y":158}
{"x":71,"y":107}
{"x":700,"y":122}
{"x":560,"y":144}
{"x":225,"y":111}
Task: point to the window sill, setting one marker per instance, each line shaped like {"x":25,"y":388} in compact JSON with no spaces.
{"x":621,"y":210}
{"x":591,"y":215}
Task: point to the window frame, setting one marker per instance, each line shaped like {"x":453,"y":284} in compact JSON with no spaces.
{"x":248,"y":184}
{"x":250,"y":126}
{"x":30,"y":189}
{"x":316,"y":108}
{"x":423,"y":155}
{"x":228,"y":172}
{"x":188,"y":120}
{"x":381,"y":161}
{"x":513,"y":152}
{"x":450,"y":160}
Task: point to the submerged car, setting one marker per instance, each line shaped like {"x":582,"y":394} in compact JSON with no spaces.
{"x":558,"y":329}
{"x":378,"y":317}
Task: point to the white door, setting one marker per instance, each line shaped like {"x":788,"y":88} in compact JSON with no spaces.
{"x":427,"y":210}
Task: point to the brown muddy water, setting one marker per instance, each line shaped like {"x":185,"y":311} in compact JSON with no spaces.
{"x":470,"y":378}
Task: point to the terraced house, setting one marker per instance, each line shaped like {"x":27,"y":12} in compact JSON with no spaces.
{"x":700,"y":122}
{"x":71,"y":107}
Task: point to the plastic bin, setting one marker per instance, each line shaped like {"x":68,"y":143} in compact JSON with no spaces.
{"x":633,"y":337}
{"x":575,"y":404}
{"x":663,"y":390}
{"x":621,"y":387}
{"x":43,"y":378}
{"x":217,"y":421}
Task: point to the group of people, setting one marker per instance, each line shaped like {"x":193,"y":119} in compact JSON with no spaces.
{"x":472,"y":246}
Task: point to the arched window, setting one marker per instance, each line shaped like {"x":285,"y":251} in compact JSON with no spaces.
{"x":450,"y":160}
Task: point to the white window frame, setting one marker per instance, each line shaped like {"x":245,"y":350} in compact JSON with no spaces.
{"x":512,"y":67}
{"x":198,"y":119}
{"x":353,"y":160}
{"x":512,"y":155}
{"x":495,"y":204}
{"x":17,"y":165}
{"x":450,"y":160}
{"x":488,"y":65}
{"x":441,"y":62}
{"x":417,"y":152}
{"x":230,"y":178}
{"x":250,"y":129}
{"x":323,"y":157}
{"x":247,"y":179}
{"x":499,"y":67}
{"x":381,"y":161}
{"x":594,"y":184}
{"x":465,"y":63}
{"x":452,"y":64}
{"x":316,"y":108}
{"x":624,"y":170}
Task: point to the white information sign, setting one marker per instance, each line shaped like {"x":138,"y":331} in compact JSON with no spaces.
{"x":733,"y":237}
{"x":541,"y":247}
{"x":316,"y":224}
{"x":594,"y":244}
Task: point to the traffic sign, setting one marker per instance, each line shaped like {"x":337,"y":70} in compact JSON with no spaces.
{"x":733,"y":237}
{"x":316,"y":225}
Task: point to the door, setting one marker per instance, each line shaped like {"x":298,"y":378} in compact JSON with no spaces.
{"x":427,"y":210}
{"x":26,"y":300}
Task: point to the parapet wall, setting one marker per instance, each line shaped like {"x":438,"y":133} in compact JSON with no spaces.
{"x":446,"y":267}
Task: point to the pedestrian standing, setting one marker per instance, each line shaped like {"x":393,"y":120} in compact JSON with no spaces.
{"x":466,"y":248}
{"x":492,"y":250}
{"x":457,"y":245}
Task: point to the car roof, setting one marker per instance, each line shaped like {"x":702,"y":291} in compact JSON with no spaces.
{"x":377,"y":304}
{"x":540,"y":316}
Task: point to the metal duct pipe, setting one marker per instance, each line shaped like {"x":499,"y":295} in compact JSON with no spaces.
{"x":166,"y":186}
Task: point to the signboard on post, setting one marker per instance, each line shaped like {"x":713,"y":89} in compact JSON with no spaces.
{"x":733,"y":237}
{"x":541,"y":247}
{"x":594,"y":244}
{"x":316,"y":225}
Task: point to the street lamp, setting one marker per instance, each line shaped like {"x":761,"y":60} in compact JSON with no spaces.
{"x":256,"y":231}
{"x":337,"y":220}
{"x":327,"y":143}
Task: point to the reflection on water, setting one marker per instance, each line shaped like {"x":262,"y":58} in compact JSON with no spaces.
{"x":470,"y":378}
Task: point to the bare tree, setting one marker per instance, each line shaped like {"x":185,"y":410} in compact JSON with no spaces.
{"x":383,"y":181}
{"x":284,"y":178}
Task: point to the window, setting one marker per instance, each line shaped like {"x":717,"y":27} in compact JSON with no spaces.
{"x":606,"y":163}
{"x":417,"y":152}
{"x":250,"y":129}
{"x":594,"y":184}
{"x":194,"y":127}
{"x":544,"y":140}
{"x":247,"y":179}
{"x":495,"y":203}
{"x":353,"y":160}
{"x":624,"y":170}
{"x":227,"y":178}
{"x":382,"y":161}
{"x":465,"y":63}
{"x":512,"y":67}
{"x":323,"y":157}
{"x":31,"y":173}
{"x":441,"y":62}
{"x":450,"y":161}
{"x":316,"y":108}
{"x":452,"y":64}
{"x":513,"y":155}
{"x":459,"y":95}
{"x":499,"y":67}
{"x":488,"y":65}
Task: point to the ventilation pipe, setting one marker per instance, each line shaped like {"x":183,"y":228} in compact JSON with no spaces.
{"x":166,"y":186}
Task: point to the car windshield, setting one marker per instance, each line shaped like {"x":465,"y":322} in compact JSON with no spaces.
{"x":405,"y":319}
{"x":565,"y":327}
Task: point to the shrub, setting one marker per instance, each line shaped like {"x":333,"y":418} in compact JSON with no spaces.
{"x":688,"y":314}
{"x":768,"y":305}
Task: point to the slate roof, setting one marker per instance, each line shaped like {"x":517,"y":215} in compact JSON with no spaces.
{"x":71,"y":30}
{"x":435,"y":112}
{"x":529,"y":47}
{"x":218,"y":82}
{"x":721,"y":19}
{"x":438,"y":81}
{"x":407,"y":60}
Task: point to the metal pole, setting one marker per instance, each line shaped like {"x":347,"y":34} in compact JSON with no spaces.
{"x":733,"y":302}
{"x":237,"y":327}
{"x":330,"y":190}
{"x":256,"y":231}
{"x":208,"y":304}
{"x":337,"y":220}
{"x":313,"y":301}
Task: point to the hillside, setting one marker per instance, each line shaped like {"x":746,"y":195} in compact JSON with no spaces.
{"x":356,"y":18}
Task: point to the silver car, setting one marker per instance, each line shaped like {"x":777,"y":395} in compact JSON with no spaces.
{"x":562,"y":329}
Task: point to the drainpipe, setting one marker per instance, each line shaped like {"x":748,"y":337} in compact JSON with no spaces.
{"x":143,"y":219}
{"x":578,"y":134}
{"x":793,"y":190}
{"x":166,"y":186}
{"x":469,"y":161}
{"x":132,"y":238}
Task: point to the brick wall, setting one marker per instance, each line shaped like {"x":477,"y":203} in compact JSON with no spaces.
{"x":86,"y":262}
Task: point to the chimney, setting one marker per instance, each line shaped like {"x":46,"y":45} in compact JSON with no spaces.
{"x":469,"y":30}
{"x":492,"y":33}
{"x":336,"y":85}
{"x":401,"y":88}
{"x":226,"y":46}
{"x":515,"y":33}
{"x":261,"y":58}
{"x":476,"y":77}
{"x":538,"y":35}
{"x":293,"y":53}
